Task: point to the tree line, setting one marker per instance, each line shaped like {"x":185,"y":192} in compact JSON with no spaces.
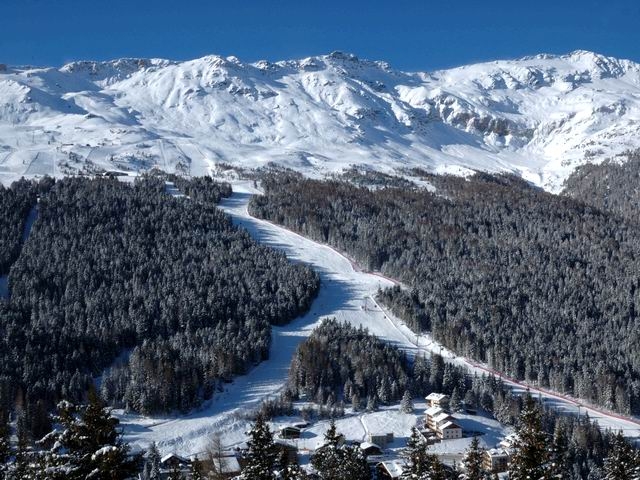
{"x":539,"y":286}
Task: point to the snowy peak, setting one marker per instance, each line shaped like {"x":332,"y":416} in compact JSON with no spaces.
{"x":538,"y":117}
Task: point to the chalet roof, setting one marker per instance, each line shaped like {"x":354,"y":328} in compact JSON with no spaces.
{"x":367,"y":445}
{"x":171,"y":456}
{"x":437,"y":397}
{"x":497,"y":452}
{"x":290,"y":428}
{"x":442,"y":417}
{"x":226,"y":465}
{"x":394,"y":468}
{"x":433,"y":411}
{"x":449,"y":425}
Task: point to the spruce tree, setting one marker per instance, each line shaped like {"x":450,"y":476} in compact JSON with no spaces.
{"x":175,"y":473}
{"x":197,"y":470}
{"x":88,"y":444}
{"x":420,"y":464}
{"x":372,"y":405}
{"x":293,"y":472}
{"x":20,"y":468}
{"x":5,"y":434}
{"x":531,"y":456}
{"x":261,"y":458}
{"x":153,"y":462}
{"x":406,"y":404}
{"x":622,"y":463}
{"x":473,"y":461}
{"x":335,"y":462}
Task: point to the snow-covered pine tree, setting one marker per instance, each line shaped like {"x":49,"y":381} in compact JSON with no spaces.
{"x":406,"y":404}
{"x":175,"y":473}
{"x":153,"y":461}
{"x":372,"y":404}
{"x":87,"y":445}
{"x":20,"y":467}
{"x":531,"y":456}
{"x":5,"y":434}
{"x":473,"y":469}
{"x":293,"y":472}
{"x":420,"y":464}
{"x":455,"y":402}
{"x":622,"y":463}
{"x":261,"y":458}
{"x":197,"y":470}
{"x":333,"y":462}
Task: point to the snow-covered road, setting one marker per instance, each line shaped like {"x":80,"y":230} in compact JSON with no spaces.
{"x":346,"y":294}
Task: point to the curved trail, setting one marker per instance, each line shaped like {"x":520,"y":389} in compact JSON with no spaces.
{"x":342,"y":295}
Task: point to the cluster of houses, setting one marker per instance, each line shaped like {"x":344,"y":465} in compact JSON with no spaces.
{"x":439,"y":425}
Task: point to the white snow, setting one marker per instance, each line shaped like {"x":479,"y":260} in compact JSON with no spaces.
{"x":342,"y":295}
{"x":538,"y":117}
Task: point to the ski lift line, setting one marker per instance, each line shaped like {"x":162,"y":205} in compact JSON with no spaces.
{"x":516,"y":383}
{"x":465,"y":361}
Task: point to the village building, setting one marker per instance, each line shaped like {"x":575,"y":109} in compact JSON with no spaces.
{"x":496,"y":460}
{"x":438,"y":400}
{"x":442,"y":423}
{"x":226,"y":467}
{"x":370,"y":449}
{"x":172,"y":460}
{"x":380,"y":439}
{"x":290,"y":432}
{"x":390,"y":470}
{"x":449,"y":430}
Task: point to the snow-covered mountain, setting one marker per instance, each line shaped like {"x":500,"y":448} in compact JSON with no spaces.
{"x":537,"y":116}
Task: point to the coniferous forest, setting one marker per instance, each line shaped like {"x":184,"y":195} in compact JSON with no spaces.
{"x":540,"y":286}
{"x":159,"y":296}
{"x":15,"y":204}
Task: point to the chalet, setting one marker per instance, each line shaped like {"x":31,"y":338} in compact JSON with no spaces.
{"x":370,"y":449}
{"x":438,"y":400}
{"x":226,"y":467}
{"x":383,"y":440}
{"x":449,"y":430}
{"x":442,"y":424}
{"x":290,"y":432}
{"x":172,"y":460}
{"x":390,"y":470}
{"x":496,"y":460}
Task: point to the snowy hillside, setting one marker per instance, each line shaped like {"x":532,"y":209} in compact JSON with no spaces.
{"x":538,"y":116}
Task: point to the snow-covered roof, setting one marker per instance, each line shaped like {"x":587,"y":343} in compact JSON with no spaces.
{"x":366,"y":445}
{"x":169,"y":456}
{"x":226,"y":465}
{"x":433,"y":411}
{"x":437,"y":397}
{"x":394,"y":468}
{"x":442,"y":417}
{"x":498,"y":452}
{"x":449,"y":425}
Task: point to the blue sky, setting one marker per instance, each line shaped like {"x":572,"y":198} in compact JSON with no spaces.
{"x":411,"y":35}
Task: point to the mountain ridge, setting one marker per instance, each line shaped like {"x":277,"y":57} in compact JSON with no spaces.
{"x":539,"y":116}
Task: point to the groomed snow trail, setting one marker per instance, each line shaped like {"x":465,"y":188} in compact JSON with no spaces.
{"x":342,"y":295}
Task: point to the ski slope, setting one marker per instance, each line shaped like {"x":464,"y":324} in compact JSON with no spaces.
{"x":346,"y":293}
